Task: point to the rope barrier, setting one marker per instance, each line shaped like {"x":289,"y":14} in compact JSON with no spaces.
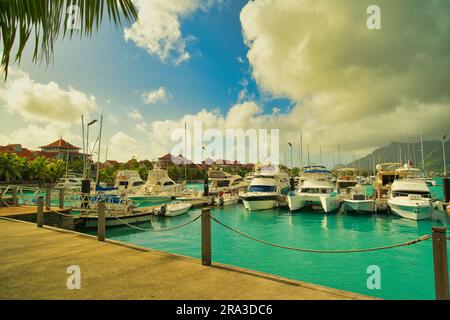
{"x":422,"y":238}
{"x":157,"y":230}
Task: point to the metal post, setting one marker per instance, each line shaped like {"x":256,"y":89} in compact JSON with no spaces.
{"x":47,"y":198}
{"x":15,"y":200}
{"x":101,"y":223}
{"x":440,"y":263}
{"x":40,"y":212}
{"x":206,"y":237}
{"x":61,"y":198}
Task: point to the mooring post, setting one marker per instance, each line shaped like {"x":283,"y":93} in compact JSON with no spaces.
{"x":47,"y":198}
{"x":61,"y":198}
{"x":206,"y":236}
{"x":40,"y":212}
{"x":101,"y":223}
{"x":446,"y":189}
{"x":440,"y":263}
{"x":15,"y":200}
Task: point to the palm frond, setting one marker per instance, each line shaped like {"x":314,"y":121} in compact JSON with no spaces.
{"x":47,"y":20}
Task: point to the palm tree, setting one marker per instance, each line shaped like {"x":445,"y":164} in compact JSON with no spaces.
{"x":9,"y":168}
{"x":56,"y":170}
{"x":48,"y":19}
{"x":39,"y":169}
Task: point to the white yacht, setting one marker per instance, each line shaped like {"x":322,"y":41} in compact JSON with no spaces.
{"x":315,"y":190}
{"x":356,"y":199}
{"x":70,"y":182}
{"x":159,"y":187}
{"x":346,"y":178}
{"x":128,"y":182}
{"x":409,"y":196}
{"x":222,"y":181}
{"x":266,"y":188}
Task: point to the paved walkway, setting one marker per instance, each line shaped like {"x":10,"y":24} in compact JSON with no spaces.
{"x":33,"y":265}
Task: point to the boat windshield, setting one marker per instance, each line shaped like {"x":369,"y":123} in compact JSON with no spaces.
{"x":400,"y":193}
{"x":223,"y":183}
{"x":317,"y":190}
{"x":262,"y":189}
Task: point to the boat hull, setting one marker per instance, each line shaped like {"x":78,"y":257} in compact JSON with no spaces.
{"x":92,"y":221}
{"x":411,"y":211}
{"x":175,"y":213}
{"x":138,"y":199}
{"x":359,"y":205}
{"x":325,"y":203}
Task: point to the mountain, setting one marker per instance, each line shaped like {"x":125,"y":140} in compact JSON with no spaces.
{"x":391,"y":153}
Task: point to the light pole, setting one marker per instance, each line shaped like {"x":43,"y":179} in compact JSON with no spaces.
{"x":87,"y":146}
{"x":206,"y":182}
{"x":443,"y":154}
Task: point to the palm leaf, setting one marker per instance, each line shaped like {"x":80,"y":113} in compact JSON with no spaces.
{"x":48,"y":20}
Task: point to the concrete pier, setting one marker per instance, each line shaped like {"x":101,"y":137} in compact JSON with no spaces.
{"x":34,"y":264}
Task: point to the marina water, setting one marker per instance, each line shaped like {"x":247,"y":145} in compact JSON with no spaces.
{"x":406,"y":272}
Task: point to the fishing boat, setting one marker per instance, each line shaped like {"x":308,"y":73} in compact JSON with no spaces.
{"x":222,"y":181}
{"x":159,"y":187}
{"x":315,"y":191}
{"x":128,"y":182}
{"x":115,"y":218}
{"x":70,"y":182}
{"x":268,"y":186}
{"x":386,"y":175}
{"x":227,"y":199}
{"x":174,"y":209}
{"x":346,"y":178}
{"x":410,"y":196}
{"x":356,"y":199}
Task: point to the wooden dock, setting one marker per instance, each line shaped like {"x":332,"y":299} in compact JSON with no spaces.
{"x":35,"y":261}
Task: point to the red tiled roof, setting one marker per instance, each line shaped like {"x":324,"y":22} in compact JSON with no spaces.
{"x":60,"y":144}
{"x":166,"y":157}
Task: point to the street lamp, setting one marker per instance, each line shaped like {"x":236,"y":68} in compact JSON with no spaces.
{"x":443,"y":153}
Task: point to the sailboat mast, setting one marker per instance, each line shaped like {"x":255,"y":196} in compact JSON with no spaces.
{"x":84,"y":149}
{"x":421,"y":149}
{"x":301,"y":149}
{"x":97,"y":181}
{"x":185,"y":153}
{"x":339,"y":156}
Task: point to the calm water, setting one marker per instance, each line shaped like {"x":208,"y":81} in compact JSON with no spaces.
{"x":406,"y":272}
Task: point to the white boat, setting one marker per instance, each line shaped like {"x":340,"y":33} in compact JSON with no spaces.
{"x":346,"y":178}
{"x":70,"y":182}
{"x":114,"y":218}
{"x":315,"y":191}
{"x":357,"y":200}
{"x":159,"y":187}
{"x":222,"y":181}
{"x":175,"y":208}
{"x":268,"y":186}
{"x":128,"y":182}
{"x":227,"y":199}
{"x":410,"y":196}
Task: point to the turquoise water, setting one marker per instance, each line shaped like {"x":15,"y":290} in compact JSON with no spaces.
{"x":406,"y":272}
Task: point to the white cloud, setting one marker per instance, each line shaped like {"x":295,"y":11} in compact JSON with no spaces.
{"x":122,"y":147}
{"x":134,"y":114}
{"x":352,"y":86}
{"x":141,"y":127}
{"x":158,"y":30}
{"x":156,"y":96}
{"x":113,"y":119}
{"x":37,"y":102}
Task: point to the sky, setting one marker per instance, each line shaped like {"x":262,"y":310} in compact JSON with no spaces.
{"x":294,"y":65}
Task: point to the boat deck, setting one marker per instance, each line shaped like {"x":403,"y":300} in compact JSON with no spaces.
{"x":35,"y":260}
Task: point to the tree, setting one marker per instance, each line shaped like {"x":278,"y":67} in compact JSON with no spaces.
{"x":49,"y":19}
{"x":56,"y":170}
{"x":39,"y":169}
{"x":9,"y":167}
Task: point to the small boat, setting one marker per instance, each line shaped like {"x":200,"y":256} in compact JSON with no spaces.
{"x":159,"y":187}
{"x":174,"y":209}
{"x":357,"y":200}
{"x":410,"y":196}
{"x":222,"y":181}
{"x":128,"y":182}
{"x":268,"y":186}
{"x":315,"y":191}
{"x":115,"y":218}
{"x":227,"y":199}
